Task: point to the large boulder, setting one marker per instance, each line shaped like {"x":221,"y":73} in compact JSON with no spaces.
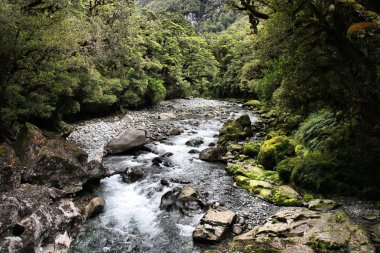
{"x":194,"y":142}
{"x":311,"y":231}
{"x":37,"y":217}
{"x":235,"y":130}
{"x":212,"y":154}
{"x":186,"y":199}
{"x":54,"y":162}
{"x":214,"y":225}
{"x":132,"y":175}
{"x":274,"y":150}
{"x":129,"y":140}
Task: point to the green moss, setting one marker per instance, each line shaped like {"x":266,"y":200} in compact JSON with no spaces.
{"x":253,"y":103}
{"x":251,"y":149}
{"x":340,"y":217}
{"x":274,"y":150}
{"x":286,"y":167}
{"x":234,"y":130}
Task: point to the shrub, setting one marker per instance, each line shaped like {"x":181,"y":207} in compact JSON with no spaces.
{"x":274,"y":150}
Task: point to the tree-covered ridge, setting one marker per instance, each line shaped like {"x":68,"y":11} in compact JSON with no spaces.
{"x":61,"y":58}
{"x":205,"y":15}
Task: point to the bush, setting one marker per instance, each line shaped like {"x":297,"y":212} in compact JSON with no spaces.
{"x":156,"y":91}
{"x":251,"y":149}
{"x":274,"y":150}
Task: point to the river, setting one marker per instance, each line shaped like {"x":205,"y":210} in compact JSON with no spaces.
{"x":133,"y":222}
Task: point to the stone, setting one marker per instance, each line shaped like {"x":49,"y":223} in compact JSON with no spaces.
{"x":94,"y":207}
{"x":235,"y":130}
{"x":214,"y":225}
{"x":194,"y":142}
{"x":175,"y":131}
{"x":54,"y":162}
{"x":129,"y":140}
{"x":212,"y":144}
{"x":212,"y":154}
{"x":186,"y":200}
{"x":166,"y":116}
{"x":132,"y":175}
{"x":237,"y":229}
{"x":303,"y":230}
{"x":194,"y":151}
{"x":322,"y":204}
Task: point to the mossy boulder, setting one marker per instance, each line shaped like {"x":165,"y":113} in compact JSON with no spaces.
{"x":265,"y":184}
{"x":286,"y":167}
{"x":235,"y":130}
{"x":251,"y":149}
{"x":254,"y":104}
{"x":274,"y":150}
{"x":316,"y":172}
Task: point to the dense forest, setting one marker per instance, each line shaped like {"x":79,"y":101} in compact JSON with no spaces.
{"x":314,"y":65}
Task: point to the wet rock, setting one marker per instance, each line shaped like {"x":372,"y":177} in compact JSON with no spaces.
{"x":129,"y":140}
{"x":194,"y":151}
{"x":311,"y":231}
{"x":164,"y":182}
{"x":212,"y":154}
{"x":322,"y":204}
{"x":186,"y":199}
{"x":194,"y":142}
{"x":214,"y":225}
{"x":371,"y":215}
{"x":167,"y":154}
{"x":157,"y":161}
{"x":94,"y":207}
{"x":212,"y":144}
{"x":175,"y":131}
{"x":132,"y":175}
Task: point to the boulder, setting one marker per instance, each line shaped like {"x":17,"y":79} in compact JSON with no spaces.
{"x":275,"y":150}
{"x":129,"y":140}
{"x":166,"y":116}
{"x":54,"y":162}
{"x":310,"y":231}
{"x":186,"y":199}
{"x":194,"y":151}
{"x":214,"y":225}
{"x":212,"y":154}
{"x":175,"y":131}
{"x":322,"y":204}
{"x":94,"y":207}
{"x":234,"y":130}
{"x":194,"y":142}
{"x":132,"y":175}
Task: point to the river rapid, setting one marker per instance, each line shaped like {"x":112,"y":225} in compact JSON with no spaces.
{"x":132,"y":221}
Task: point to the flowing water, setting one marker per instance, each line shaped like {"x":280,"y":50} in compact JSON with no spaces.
{"x":133,"y":222}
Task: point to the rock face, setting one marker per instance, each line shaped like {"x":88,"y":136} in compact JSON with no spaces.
{"x":36,"y":216}
{"x":300,"y":230}
{"x":129,"y":140}
{"x":186,"y":199}
{"x":94,"y":207}
{"x":214,"y":225}
{"x":37,"y":175}
{"x":212,"y":154}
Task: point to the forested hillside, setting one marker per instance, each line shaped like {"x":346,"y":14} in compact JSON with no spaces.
{"x":314,"y":65}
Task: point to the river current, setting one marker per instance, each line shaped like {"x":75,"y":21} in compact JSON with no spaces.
{"x":133,"y":222}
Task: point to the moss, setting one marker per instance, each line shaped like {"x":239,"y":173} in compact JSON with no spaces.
{"x":251,"y":149}
{"x":358,"y":30}
{"x":274,"y":150}
{"x":286,"y":167}
{"x":234,"y":130}
{"x":314,"y":172}
{"x":253,"y":103}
